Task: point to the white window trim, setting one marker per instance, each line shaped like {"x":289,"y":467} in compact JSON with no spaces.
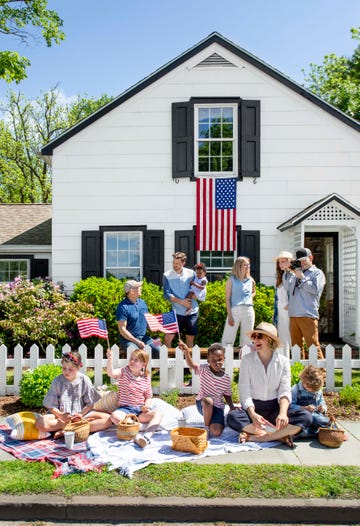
{"x":235,"y":139}
{"x":27,"y":261}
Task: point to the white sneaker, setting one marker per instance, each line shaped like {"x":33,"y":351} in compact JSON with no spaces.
{"x":141,"y":441}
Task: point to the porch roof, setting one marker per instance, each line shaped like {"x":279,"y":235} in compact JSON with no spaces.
{"x":25,"y":224}
{"x":308,"y":211}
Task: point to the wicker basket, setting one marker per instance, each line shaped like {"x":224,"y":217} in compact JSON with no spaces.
{"x":128,"y":428}
{"x":81,"y":429}
{"x":331,"y":436}
{"x":189,"y":439}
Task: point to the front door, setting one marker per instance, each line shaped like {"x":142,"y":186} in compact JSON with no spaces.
{"x":324,"y":247}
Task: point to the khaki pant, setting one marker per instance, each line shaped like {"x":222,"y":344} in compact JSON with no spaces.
{"x":305,"y":329}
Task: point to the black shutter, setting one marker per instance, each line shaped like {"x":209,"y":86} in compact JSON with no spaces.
{"x":39,"y":268}
{"x":249,"y":138}
{"x":90,"y":253}
{"x":185,"y":242}
{"x":154,"y":256}
{"x":182,"y":139}
{"x":249,"y":246}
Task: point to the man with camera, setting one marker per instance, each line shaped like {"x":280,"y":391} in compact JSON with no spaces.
{"x":304,"y":283}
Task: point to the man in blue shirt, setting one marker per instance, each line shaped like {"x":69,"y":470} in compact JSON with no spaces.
{"x":176,"y":284}
{"x":131,"y":320}
{"x":304,"y":285}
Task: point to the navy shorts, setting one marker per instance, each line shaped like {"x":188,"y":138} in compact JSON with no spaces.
{"x":217,"y":416}
{"x":129,"y":409}
{"x":188,"y":324}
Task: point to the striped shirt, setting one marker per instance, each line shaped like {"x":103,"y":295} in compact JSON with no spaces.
{"x":216,"y":387}
{"x":133,"y":390}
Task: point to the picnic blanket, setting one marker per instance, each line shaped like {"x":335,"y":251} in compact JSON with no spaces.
{"x":66,"y":461}
{"x":127,"y":457}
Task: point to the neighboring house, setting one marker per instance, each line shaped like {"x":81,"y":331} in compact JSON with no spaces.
{"x":25,"y":241}
{"x":124,"y":179}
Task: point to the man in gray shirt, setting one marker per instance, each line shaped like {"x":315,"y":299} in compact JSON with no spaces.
{"x":304,"y":284}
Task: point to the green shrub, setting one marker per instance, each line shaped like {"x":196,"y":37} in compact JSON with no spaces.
{"x":296,"y":369}
{"x":34,"y":384}
{"x":350,"y":395}
{"x":38,"y":312}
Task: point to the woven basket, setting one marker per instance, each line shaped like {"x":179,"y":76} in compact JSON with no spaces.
{"x":128,"y":428}
{"x":331,"y":436}
{"x":81,"y":429}
{"x":189,"y":439}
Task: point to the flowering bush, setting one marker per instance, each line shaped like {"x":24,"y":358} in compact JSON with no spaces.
{"x":38,"y":312}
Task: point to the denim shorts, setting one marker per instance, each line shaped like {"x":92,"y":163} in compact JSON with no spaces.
{"x":217,"y":416}
{"x":188,"y":324}
{"x":129,"y":409}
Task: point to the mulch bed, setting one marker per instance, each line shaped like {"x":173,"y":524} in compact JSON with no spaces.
{"x":12,"y":404}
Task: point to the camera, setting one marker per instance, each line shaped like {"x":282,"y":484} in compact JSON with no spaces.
{"x":295,"y":263}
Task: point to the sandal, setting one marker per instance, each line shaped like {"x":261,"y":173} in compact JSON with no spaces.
{"x":288,"y":441}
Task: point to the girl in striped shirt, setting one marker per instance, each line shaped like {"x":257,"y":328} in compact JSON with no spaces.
{"x":135,"y":393}
{"x":215,"y":386}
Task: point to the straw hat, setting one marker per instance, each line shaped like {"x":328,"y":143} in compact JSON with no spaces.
{"x":284,"y":254}
{"x":269,"y":330}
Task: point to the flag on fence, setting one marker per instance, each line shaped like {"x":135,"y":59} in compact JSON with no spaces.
{"x":165,"y":322}
{"x":92,"y":327}
{"x":215,"y":214}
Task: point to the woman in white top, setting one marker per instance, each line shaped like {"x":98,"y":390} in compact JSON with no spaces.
{"x":281,"y":314}
{"x":240,"y":291}
{"x":265,"y":393}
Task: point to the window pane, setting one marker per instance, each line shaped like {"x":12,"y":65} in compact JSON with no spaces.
{"x":203,"y":149}
{"x":111,"y":258}
{"x":123,"y":254}
{"x":215,"y":131}
{"x":226,"y":164}
{"x":204,"y":115}
{"x":227,"y":130}
{"x":203,"y":131}
{"x":215,"y":164}
{"x":215,"y":114}
{"x":112,"y":242}
{"x":203,"y":165}
{"x":227,"y":147}
{"x":228,"y":114}
{"x":215,"y":148}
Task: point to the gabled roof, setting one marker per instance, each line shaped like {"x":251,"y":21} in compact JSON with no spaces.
{"x":310,"y":210}
{"x":25,"y":224}
{"x":47,"y":150}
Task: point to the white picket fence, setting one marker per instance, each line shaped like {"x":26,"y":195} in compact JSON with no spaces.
{"x":171,"y":369}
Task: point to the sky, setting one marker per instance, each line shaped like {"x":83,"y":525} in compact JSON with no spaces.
{"x":113,"y":44}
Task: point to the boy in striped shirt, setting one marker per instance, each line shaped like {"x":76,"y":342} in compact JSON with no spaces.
{"x":215,"y":387}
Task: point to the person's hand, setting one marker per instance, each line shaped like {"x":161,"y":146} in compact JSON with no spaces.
{"x":258,"y":420}
{"x":310,"y":408}
{"x":140,"y":344}
{"x":321,"y":409}
{"x":76,"y":417}
{"x":186,"y":303}
{"x":65,"y":417}
{"x":231,"y":321}
{"x":282,"y":421}
{"x":145,"y":409}
{"x":299,"y":273}
{"x":183,"y":346}
{"x":109,"y":353}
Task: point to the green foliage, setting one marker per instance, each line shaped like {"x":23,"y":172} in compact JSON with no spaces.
{"x":337,"y":80}
{"x":350,"y":395}
{"x":35,"y":384}
{"x":104,"y":294}
{"x":296,"y":369}
{"x":27,"y":125}
{"x":264,"y":303}
{"x":15,"y":20}
{"x":38,"y":312}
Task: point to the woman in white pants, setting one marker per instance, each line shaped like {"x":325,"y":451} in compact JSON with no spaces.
{"x":281,"y":314}
{"x":240,"y":292}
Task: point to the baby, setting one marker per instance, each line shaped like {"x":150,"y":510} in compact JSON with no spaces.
{"x":198,"y":285}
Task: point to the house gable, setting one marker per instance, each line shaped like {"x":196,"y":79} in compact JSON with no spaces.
{"x":213,"y":60}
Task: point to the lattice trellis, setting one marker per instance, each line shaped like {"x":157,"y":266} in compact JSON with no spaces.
{"x":349,"y":249}
{"x":331,"y":212}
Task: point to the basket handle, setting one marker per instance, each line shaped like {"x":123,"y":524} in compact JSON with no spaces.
{"x":129,"y":416}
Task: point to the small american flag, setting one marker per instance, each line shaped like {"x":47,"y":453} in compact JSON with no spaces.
{"x":166,"y":322}
{"x":216,"y":214}
{"x":92,"y":327}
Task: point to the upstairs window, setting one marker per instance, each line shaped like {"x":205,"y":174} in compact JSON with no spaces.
{"x":216,"y":139}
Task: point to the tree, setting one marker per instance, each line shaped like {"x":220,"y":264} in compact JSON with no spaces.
{"x":337,"y":80}
{"x":28,"y":125}
{"x":16,"y":19}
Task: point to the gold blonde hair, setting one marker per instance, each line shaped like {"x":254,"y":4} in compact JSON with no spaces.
{"x":143,"y":356}
{"x":238,"y":270}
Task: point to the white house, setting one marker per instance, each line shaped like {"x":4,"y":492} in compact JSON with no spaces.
{"x":124,"y":179}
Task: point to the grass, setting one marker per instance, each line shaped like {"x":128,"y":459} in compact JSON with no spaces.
{"x":188,"y":480}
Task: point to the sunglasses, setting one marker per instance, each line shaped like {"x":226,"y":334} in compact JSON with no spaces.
{"x":257,"y":336}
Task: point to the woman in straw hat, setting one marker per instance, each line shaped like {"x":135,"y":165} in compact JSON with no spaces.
{"x":281,"y":313}
{"x":265,"y":393}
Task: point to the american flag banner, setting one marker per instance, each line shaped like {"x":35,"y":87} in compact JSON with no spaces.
{"x":92,"y":327}
{"x":165,"y":322}
{"x":215,"y":214}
